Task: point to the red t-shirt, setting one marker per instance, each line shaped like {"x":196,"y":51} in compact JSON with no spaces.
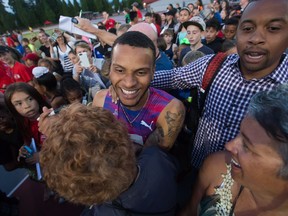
{"x":20,"y":73}
{"x":30,"y":69}
{"x":10,"y":42}
{"x":139,"y":14}
{"x":158,"y":29}
{"x":36,"y":134}
{"x":5,"y":79}
{"x":110,"y":23}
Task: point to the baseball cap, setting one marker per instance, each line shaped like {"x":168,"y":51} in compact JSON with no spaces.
{"x":4,"y":49}
{"x":39,"y":71}
{"x":169,"y":12}
{"x":196,"y":21}
{"x":135,"y":4}
{"x":31,"y":56}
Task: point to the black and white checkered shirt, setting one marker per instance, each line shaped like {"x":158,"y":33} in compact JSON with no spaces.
{"x":226,"y":103}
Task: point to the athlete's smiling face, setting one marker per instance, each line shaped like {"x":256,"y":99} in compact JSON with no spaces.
{"x":132,"y":69}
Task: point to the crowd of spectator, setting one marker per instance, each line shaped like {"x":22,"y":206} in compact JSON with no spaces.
{"x":119,"y":103}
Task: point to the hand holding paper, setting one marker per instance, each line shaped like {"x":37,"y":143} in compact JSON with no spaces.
{"x":84,"y":26}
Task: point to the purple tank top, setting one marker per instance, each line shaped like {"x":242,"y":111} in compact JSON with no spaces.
{"x":146,"y":118}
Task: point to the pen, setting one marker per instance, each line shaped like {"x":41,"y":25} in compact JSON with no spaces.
{"x":53,"y":112}
{"x":50,"y":114}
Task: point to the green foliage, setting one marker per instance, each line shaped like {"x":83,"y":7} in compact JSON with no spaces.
{"x":77,"y":7}
{"x":34,"y":13}
{"x":84,"y":5}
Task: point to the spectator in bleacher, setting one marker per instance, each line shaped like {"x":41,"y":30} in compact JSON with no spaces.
{"x":127,"y":17}
{"x":46,"y":84}
{"x":170,"y":46}
{"x":107,"y":21}
{"x":46,"y":45}
{"x":5,"y":77}
{"x":195,"y":28}
{"x":31,"y":61}
{"x":135,"y":7}
{"x":18,"y":71}
{"x":26,"y":42}
{"x":190,"y":6}
{"x":211,"y":39}
{"x":184,"y":15}
{"x":25,"y":103}
{"x":150,"y":20}
{"x":133,"y":17}
{"x":61,"y":48}
{"x":19,"y":47}
{"x":156,"y":20}
{"x":199,"y":5}
{"x":170,"y":23}
{"x":230,"y":28}
{"x":10,"y":139}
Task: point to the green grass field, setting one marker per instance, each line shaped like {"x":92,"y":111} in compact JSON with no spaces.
{"x":30,"y":35}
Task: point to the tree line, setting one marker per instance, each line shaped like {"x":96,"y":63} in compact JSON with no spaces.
{"x":33,"y":13}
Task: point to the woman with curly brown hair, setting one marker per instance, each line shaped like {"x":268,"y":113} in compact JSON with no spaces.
{"x":95,"y":165}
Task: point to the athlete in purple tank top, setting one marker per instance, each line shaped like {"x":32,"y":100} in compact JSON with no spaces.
{"x":141,"y":123}
{"x":153,"y":117}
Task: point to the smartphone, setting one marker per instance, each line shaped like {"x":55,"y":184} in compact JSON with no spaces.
{"x":54,"y":37}
{"x":29,"y":150}
{"x":84,"y":61}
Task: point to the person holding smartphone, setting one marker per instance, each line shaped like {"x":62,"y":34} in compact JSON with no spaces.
{"x":85,"y":71}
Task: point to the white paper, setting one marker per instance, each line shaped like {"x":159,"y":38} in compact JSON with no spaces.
{"x":66,"y":24}
{"x":136,"y":138}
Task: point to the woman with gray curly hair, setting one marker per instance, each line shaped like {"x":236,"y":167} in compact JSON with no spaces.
{"x":251,"y":176}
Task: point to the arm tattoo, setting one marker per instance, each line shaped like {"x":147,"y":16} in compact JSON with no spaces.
{"x":174,"y":121}
{"x":156,"y":138}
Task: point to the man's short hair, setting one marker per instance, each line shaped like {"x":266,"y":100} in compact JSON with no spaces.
{"x":135,"y":39}
{"x":148,"y":14}
{"x":133,"y":15}
{"x":213,"y":23}
{"x":90,"y":164}
{"x":232,"y":21}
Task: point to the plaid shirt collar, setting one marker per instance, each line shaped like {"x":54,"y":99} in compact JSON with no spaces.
{"x":278,"y":74}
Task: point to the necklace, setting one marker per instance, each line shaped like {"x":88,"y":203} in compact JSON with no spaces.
{"x":126,"y":115}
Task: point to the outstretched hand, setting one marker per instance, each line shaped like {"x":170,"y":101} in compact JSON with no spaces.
{"x":85,"y":24}
{"x":113,"y":94}
{"x":46,"y":121}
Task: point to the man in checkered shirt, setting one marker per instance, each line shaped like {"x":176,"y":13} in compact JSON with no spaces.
{"x":261,"y":65}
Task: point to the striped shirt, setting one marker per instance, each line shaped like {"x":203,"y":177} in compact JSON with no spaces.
{"x":226,"y":103}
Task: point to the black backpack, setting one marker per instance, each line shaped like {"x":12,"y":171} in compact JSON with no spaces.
{"x":194,"y":105}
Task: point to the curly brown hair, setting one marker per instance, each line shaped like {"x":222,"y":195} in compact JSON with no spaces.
{"x":88,"y":157}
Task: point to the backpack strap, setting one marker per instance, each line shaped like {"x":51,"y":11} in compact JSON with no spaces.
{"x":209,"y":75}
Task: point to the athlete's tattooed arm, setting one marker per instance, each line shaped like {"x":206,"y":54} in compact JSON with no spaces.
{"x":169,"y":125}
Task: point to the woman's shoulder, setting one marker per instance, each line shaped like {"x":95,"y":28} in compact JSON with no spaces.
{"x":213,"y":168}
